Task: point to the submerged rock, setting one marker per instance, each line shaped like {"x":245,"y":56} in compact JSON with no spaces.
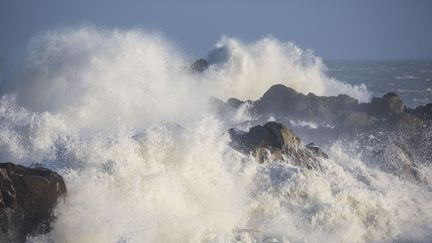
{"x":274,"y":141}
{"x":27,"y":198}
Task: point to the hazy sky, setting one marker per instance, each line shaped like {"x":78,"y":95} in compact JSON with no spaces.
{"x":378,"y":29}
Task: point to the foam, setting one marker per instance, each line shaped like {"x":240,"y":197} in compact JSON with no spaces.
{"x":122,"y":118}
{"x":100,"y":78}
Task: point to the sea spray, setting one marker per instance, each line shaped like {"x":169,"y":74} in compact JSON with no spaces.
{"x":125,"y":121}
{"x":107,"y":77}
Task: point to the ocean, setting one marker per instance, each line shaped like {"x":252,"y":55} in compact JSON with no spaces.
{"x":410,"y":79}
{"x":122,"y":118}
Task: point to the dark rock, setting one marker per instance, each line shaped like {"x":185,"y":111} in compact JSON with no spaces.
{"x":274,"y":141}
{"x":257,"y":136}
{"x":200,"y":65}
{"x":27,"y":198}
{"x":279,"y":92}
{"x":424,"y":112}
{"x":280,"y":100}
{"x":369,"y":127}
{"x":341,"y":110}
{"x":389,"y":104}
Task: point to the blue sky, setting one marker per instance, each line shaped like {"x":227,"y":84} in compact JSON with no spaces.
{"x":381,"y":29}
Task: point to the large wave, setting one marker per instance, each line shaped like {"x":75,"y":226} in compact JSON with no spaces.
{"x":96,"y":76}
{"x":122,"y":117}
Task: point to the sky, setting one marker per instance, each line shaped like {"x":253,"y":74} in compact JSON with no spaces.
{"x":380,"y":29}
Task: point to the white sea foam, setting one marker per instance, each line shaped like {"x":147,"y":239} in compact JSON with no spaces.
{"x":247,"y":70}
{"x":307,"y":124}
{"x":407,"y":77}
{"x":128,"y":75}
{"x":120,"y":116}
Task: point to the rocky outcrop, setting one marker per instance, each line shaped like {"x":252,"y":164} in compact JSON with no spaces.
{"x":282,"y":100}
{"x":341,"y":111}
{"x":274,"y":141}
{"x":389,"y":104}
{"x":370,"y":127}
{"x":199,"y":65}
{"x":27,"y":198}
{"x":424,"y":112}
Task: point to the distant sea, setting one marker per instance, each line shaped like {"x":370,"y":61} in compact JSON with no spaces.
{"x":411,"y":80}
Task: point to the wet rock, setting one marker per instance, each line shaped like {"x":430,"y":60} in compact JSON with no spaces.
{"x":27,"y":198}
{"x":274,"y":141}
{"x":200,"y":65}
{"x":366,"y":126}
{"x":341,"y":110}
{"x":280,"y":100}
{"x":389,"y":104}
{"x":424,"y":112}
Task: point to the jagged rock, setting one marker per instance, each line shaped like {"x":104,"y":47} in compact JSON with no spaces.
{"x":341,"y":118}
{"x":27,"y":197}
{"x":280,"y":100}
{"x":200,"y":65}
{"x":342,"y":110}
{"x":424,"y":112}
{"x":389,"y":104}
{"x":274,"y":141}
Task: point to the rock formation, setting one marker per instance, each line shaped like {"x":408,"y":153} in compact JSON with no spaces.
{"x":199,"y":65}
{"x":274,"y":141}
{"x":424,"y":112}
{"x":27,"y":197}
{"x":283,"y":102}
{"x":382,"y":125}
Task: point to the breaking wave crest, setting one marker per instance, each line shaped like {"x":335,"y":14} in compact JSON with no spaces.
{"x":143,"y":79}
{"x":122,"y":118}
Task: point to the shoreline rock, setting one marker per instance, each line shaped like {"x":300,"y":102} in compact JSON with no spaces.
{"x":341,"y":110}
{"x":370,"y":128}
{"x":274,"y":141}
{"x":27,"y":198}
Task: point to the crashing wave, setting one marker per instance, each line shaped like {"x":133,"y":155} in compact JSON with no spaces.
{"x":95,"y":104}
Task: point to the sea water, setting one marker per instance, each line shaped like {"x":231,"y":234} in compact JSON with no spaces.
{"x":121,"y":117}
